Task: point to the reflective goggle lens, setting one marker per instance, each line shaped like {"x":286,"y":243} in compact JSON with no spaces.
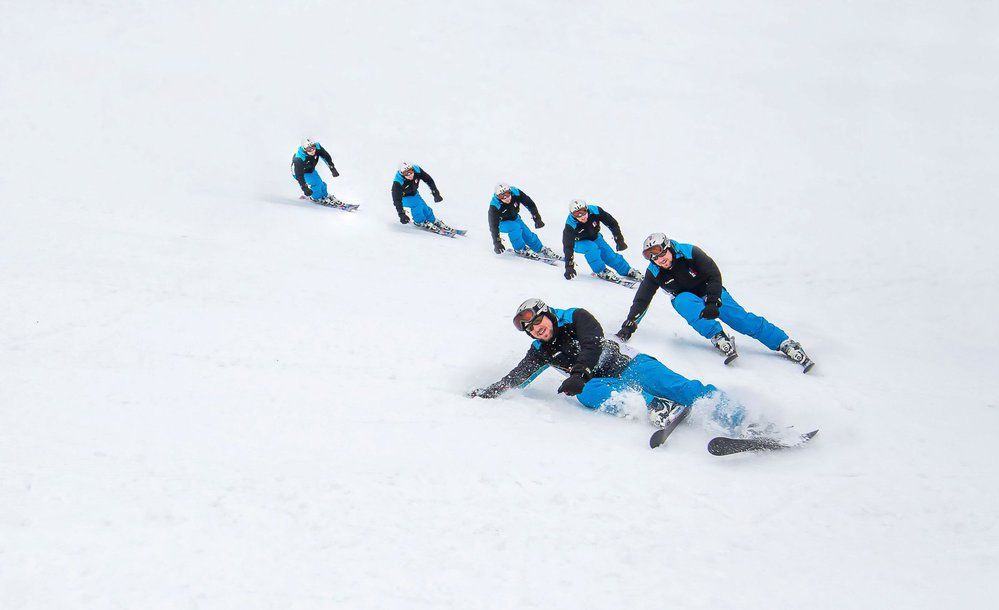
{"x":653,"y":252}
{"x":526,"y":319}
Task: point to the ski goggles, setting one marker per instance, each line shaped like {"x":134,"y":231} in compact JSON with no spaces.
{"x":654,"y":252}
{"x":526,"y":320}
{"x":580,"y":214}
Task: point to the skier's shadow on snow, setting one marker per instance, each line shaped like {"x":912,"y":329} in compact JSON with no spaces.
{"x":298,"y":203}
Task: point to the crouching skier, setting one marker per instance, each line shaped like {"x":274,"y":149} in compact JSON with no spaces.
{"x":582,"y":234}
{"x":303,"y":168}
{"x":572,"y":341}
{"x":504,"y":217}
{"x":405,"y":193}
{"x":693,"y":280}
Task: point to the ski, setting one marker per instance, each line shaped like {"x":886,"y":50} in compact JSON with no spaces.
{"x":537,"y":257}
{"x":722,"y":445}
{"x":332,"y":203}
{"x":659,"y":436}
{"x":622,"y":280}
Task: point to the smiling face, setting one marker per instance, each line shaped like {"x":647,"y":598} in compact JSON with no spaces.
{"x":506,"y":197}
{"x":408,"y":174}
{"x":664,"y":259}
{"x":542,"y":328}
{"x":311,"y":151}
{"x":581,"y":215}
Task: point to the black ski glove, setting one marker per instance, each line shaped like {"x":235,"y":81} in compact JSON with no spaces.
{"x":333,"y":172}
{"x":578,"y":376}
{"x":627,"y":330}
{"x":498,"y":247}
{"x":437,"y":197}
{"x":710,"y":310}
{"x":488,"y":392}
{"x":404,"y":219}
{"x":538,"y":223}
{"x":619,"y":243}
{"x":307,"y":191}
{"x":570,"y":271}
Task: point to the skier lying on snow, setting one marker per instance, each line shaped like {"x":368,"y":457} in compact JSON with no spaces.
{"x":303,"y":168}
{"x":693,"y":280}
{"x":572,"y":341}
{"x":582,"y":234}
{"x":504,"y":217}
{"x":405,"y":193}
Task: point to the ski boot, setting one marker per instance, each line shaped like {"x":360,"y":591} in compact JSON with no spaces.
{"x":440,"y":224}
{"x":792,"y":349}
{"x":635,"y":274}
{"x":610,"y":275}
{"x":549,"y":253}
{"x":726,"y":345}
{"x":662,"y":411}
{"x":527,"y":253}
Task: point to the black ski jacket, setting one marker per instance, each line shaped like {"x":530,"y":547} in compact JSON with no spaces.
{"x":499,"y":211}
{"x":587,"y":231}
{"x":692,"y":271}
{"x":579,"y":341}
{"x":407,"y":188}
{"x":303,"y":163}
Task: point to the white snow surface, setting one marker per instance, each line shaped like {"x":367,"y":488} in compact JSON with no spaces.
{"x":217,"y":396}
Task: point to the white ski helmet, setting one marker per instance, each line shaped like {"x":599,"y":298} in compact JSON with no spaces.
{"x":654,"y":244}
{"x":501,"y":189}
{"x":308,"y":143}
{"x":405,"y":166}
{"x":528,"y":311}
{"x":576,"y":205}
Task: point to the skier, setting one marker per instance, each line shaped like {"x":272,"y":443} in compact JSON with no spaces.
{"x":405,"y":194}
{"x":504,"y":217}
{"x":572,"y":341}
{"x":582,"y":234}
{"x":695,"y":283}
{"x":303,"y":168}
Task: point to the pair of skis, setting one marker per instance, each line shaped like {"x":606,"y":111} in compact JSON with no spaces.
{"x":537,"y":256}
{"x":723,"y":445}
{"x":558,"y":261}
{"x":448,"y":232}
{"x":621,"y":280}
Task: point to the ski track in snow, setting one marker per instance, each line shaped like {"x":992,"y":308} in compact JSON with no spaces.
{"x":218,"y":396}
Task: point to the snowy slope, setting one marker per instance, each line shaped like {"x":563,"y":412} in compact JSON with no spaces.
{"x":216,"y":396}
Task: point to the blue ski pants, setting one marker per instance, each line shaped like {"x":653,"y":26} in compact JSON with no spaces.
{"x":317,"y":185}
{"x":519,"y":234}
{"x":655,"y":379}
{"x":690,"y":306}
{"x":599,"y":255}
{"x":419,"y":209}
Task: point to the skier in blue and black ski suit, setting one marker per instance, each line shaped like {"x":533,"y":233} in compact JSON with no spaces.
{"x":582,"y":234}
{"x":303,"y":169}
{"x":504,"y":217}
{"x":405,"y":193}
{"x":598,"y":370}
{"x":694,"y":282}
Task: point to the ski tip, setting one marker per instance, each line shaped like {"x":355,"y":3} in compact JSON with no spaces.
{"x":809,"y":435}
{"x":729,"y":359}
{"x":808,"y":367}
